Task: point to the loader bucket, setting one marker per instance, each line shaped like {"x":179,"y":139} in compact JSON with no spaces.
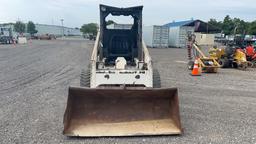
{"x":122,"y":112}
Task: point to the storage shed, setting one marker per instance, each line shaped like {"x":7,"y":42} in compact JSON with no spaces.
{"x":179,"y":31}
{"x":156,"y":36}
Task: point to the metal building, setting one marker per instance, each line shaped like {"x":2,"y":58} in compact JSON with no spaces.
{"x":179,"y":31}
{"x":48,"y":29}
{"x":56,"y":30}
{"x":156,"y":36}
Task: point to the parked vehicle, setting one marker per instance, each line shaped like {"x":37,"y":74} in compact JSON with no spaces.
{"x":6,"y":36}
{"x":92,"y":37}
{"x":231,"y":56}
{"x":47,"y":37}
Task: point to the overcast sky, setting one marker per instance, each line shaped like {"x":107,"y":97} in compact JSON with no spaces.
{"x":77,"y":12}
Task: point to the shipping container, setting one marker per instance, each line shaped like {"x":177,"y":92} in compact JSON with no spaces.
{"x":156,"y":36}
{"x":178,"y":36}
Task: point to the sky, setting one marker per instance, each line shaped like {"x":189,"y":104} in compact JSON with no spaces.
{"x":155,"y":12}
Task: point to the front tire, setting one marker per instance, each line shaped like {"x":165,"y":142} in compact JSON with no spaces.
{"x":156,"y":79}
{"x":85,"y":78}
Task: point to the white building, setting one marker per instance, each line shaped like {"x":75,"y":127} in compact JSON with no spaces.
{"x":48,"y":29}
{"x":56,"y":30}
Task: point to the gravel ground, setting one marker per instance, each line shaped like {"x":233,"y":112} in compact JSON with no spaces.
{"x":34,"y":80}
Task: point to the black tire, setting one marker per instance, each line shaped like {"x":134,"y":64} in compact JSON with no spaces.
{"x":235,"y":65}
{"x":242,"y":66}
{"x":190,"y":65}
{"x":254,"y":63}
{"x":224,"y":63}
{"x":85,"y":78}
{"x":156,"y":79}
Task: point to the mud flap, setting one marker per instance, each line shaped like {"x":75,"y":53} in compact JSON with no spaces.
{"x":122,"y":112}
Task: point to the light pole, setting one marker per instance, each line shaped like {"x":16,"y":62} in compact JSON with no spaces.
{"x":62,"y":27}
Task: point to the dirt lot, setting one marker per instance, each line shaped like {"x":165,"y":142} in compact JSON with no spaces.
{"x":34,"y":78}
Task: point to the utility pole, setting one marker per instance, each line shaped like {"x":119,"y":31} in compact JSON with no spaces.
{"x":62,"y":27}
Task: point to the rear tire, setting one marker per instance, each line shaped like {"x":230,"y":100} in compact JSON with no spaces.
{"x":85,"y":78}
{"x":235,"y":65}
{"x":156,"y":79}
{"x":224,"y":63}
{"x":242,"y":66}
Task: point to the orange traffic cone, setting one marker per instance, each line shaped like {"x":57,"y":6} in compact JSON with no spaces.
{"x":196,"y":69}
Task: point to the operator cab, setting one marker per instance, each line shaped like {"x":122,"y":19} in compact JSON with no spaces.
{"x":120,"y":42}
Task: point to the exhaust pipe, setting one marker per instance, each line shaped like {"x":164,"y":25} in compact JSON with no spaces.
{"x":97,"y":112}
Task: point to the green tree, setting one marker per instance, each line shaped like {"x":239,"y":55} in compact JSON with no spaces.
{"x":109,"y":22}
{"x":235,"y":25}
{"x":252,"y":28}
{"x":31,"y":28}
{"x":89,"y":28}
{"x":228,"y":25}
{"x":19,"y":27}
{"x":241,"y":26}
{"x":215,"y":23}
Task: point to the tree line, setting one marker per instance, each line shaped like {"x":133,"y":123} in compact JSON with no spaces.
{"x":228,"y":26}
{"x":21,"y":27}
{"x":234,"y":26}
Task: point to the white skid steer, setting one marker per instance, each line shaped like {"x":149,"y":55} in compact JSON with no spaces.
{"x":120,"y":94}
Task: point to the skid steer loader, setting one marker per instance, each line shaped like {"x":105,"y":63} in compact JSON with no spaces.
{"x":117,"y":96}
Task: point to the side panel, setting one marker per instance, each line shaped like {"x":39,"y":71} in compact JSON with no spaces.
{"x":120,"y":77}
